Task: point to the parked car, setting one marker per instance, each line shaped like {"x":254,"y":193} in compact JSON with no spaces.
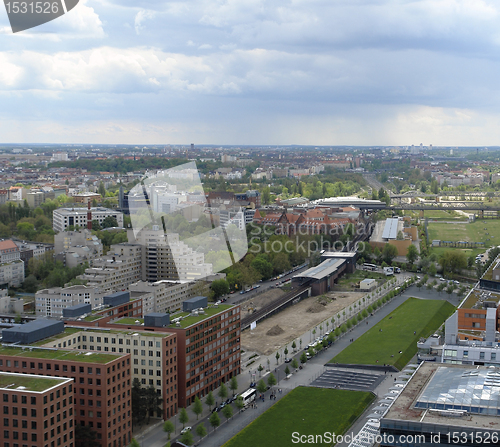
{"x":287,"y":360}
{"x":253,"y":384}
{"x":185,"y":429}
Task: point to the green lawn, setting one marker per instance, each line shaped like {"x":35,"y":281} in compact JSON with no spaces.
{"x":59,"y":354}
{"x":394,"y":333}
{"x":307,"y":411}
{"x":28,"y":382}
{"x":473,"y":232}
{"x":444,"y":215}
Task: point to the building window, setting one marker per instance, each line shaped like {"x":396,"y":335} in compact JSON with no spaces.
{"x":493,"y":356}
{"x":481,"y":355}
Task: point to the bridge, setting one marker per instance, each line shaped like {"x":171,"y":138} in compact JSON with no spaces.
{"x":276,"y":306}
{"x":454,"y":205}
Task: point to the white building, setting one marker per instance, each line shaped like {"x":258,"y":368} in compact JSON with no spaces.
{"x":9,"y":251}
{"x":115,"y":271}
{"x":65,"y":217}
{"x":162,"y":296}
{"x":51,"y":302}
{"x":12,"y":273}
{"x":77,"y":247}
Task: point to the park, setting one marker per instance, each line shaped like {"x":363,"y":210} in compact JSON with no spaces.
{"x":393,"y":341}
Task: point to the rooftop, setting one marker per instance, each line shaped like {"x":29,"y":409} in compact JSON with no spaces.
{"x":188,"y":319}
{"x":324,"y":269}
{"x":59,"y":354}
{"x":28,"y":382}
{"x":477,"y":297}
{"x":436,"y":388}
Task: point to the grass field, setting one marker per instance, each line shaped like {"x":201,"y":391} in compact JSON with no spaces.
{"x":473,"y":232}
{"x":444,"y":215}
{"x":308,"y":411}
{"x":383,"y":343}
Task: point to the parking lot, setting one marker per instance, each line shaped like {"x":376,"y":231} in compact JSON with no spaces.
{"x":349,"y":379}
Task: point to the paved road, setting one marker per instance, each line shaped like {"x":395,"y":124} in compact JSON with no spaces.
{"x":313,"y":369}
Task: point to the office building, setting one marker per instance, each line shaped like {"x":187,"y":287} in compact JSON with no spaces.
{"x":37,"y":410}
{"x":77,"y":217}
{"x":101,"y":382}
{"x":444,"y":405}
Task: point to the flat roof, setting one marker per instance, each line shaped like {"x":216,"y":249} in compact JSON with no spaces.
{"x":324,"y":269}
{"x":453,"y":387}
{"x":339,"y":254}
{"x":390,"y":228}
{"x":29,"y":382}
{"x":59,"y":354}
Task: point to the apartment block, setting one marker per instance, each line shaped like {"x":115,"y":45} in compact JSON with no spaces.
{"x":167,"y":296}
{"x":37,"y":410}
{"x":115,"y":271}
{"x":51,"y":302}
{"x":12,"y":273}
{"x":102,"y":387}
{"x":77,"y":247}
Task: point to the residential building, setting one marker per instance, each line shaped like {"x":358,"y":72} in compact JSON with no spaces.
{"x":37,"y":410}
{"x":77,"y":247}
{"x":12,"y":273}
{"x":77,"y":217}
{"x":9,"y":251}
{"x":167,"y":296}
{"x":51,"y":302}
{"x":115,"y":271}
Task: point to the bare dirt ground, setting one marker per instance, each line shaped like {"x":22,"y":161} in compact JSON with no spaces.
{"x":281,"y":329}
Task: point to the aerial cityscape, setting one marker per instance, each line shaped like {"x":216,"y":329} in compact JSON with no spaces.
{"x":239,"y":224}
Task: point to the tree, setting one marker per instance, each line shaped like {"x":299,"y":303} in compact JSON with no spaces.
{"x":102,"y":190}
{"x":168,"y":427}
{"x":287,"y":370}
{"x":261,"y":386}
{"x":432,"y":269}
{"x":239,"y":403}
{"x":303,"y":358}
{"x":210,"y":400}
{"x":412,"y":254}
{"x":201,"y":430}
{"x":222,"y":391}
{"x":294,"y":345}
{"x":134,"y":443}
{"x":138,"y":403}
{"x":219,"y":287}
{"x":295,"y":364}
{"x":233,"y":384}
{"x":109,"y":222}
{"x":214,"y":420}
{"x":389,"y":252}
{"x":271,"y":380}
{"x":187,"y":438}
{"x":96,"y":226}
{"x":453,"y":261}
{"x":227,"y":411}
{"x":260,"y":369}
{"x":197,"y":407}
{"x":286,"y":351}
{"x":277,"y":357}
{"x":153,"y":401}
{"x":183,"y":417}
{"x":85,"y":436}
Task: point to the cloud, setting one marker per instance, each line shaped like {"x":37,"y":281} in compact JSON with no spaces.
{"x":141,"y":17}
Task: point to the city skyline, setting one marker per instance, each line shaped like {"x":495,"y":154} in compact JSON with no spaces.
{"x":253,"y":73}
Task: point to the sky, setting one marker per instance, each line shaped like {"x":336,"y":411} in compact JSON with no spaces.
{"x":229,"y":72}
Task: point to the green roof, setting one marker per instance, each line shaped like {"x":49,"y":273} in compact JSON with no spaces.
{"x":28,"y":382}
{"x":59,"y":354}
{"x":190,"y":320}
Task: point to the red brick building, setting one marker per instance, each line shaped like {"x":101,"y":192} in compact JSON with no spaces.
{"x":37,"y":411}
{"x":101,"y":390}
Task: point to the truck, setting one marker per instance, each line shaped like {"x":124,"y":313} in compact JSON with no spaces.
{"x":397,"y":270}
{"x":389,"y":271}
